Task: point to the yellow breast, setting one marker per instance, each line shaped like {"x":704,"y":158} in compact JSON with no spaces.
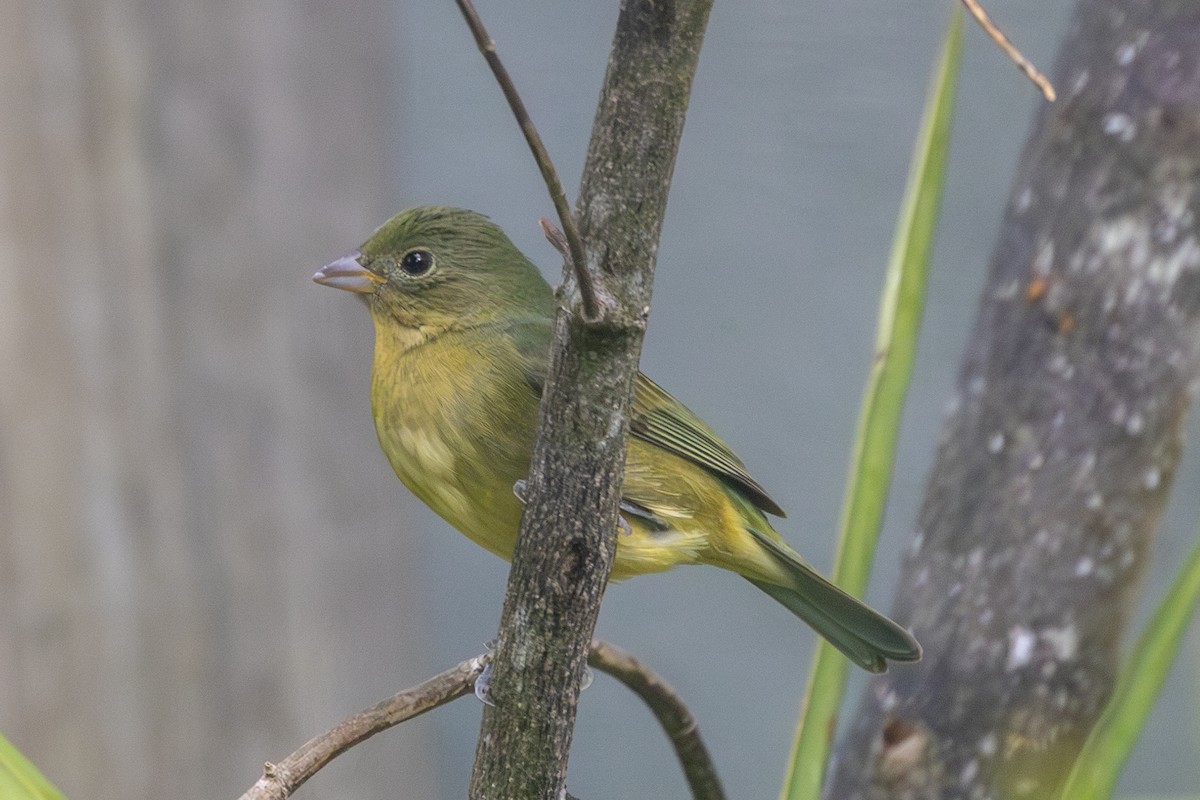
{"x":452,"y":428}
{"x":457,"y":421}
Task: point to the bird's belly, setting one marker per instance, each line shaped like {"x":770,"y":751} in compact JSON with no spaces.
{"x":641,"y":551}
{"x":473,"y":491}
{"x":487,"y":511}
{"x":458,"y":486}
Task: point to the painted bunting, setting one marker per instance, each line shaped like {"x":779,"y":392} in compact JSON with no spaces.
{"x":462,"y":338}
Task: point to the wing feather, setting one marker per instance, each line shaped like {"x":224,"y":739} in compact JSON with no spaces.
{"x":658,"y":419}
{"x":661,"y":420}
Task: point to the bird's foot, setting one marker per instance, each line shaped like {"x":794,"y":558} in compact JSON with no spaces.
{"x":631,"y":510}
{"x":482,"y":684}
{"x":519,"y":490}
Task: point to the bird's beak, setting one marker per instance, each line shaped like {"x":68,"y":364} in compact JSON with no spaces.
{"x":346,"y":273}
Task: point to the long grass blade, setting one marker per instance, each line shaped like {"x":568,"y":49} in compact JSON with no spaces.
{"x":1098,"y":766}
{"x":878,"y":429}
{"x":21,"y":780}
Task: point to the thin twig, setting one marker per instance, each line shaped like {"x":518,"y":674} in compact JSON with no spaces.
{"x":280,"y":780}
{"x":677,"y":721}
{"x":587,"y":289}
{"x":1023,"y":64}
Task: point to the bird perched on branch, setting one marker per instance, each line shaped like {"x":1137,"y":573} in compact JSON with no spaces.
{"x":463,"y":327}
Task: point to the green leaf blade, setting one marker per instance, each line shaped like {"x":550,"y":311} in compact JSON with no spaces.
{"x":20,"y":779}
{"x":1099,"y":764}
{"x":901,"y":309}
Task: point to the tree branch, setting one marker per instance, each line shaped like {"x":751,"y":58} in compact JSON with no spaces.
{"x":280,"y":780}
{"x":676,"y":720}
{"x":565,"y":548}
{"x":1055,"y":465}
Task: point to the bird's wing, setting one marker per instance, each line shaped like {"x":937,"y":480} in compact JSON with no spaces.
{"x":661,"y":420}
{"x":656,"y":418}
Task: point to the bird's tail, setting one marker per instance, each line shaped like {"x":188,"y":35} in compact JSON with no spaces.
{"x":865,"y":636}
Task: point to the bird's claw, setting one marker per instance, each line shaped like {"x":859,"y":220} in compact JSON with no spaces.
{"x":519,"y":490}
{"x":626,"y":507}
{"x":482,"y":684}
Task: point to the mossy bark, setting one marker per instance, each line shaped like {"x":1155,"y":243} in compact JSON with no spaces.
{"x":565,"y":548}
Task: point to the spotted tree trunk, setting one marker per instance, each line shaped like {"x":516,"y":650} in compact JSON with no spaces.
{"x":1055,"y":464}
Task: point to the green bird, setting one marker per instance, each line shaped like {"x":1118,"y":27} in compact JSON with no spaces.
{"x":463,"y":327}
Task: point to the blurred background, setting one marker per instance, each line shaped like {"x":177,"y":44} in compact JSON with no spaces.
{"x":204,"y":557}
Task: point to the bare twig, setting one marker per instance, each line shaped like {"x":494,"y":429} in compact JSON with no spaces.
{"x":677,"y":721}
{"x":280,"y":780}
{"x":1023,"y":64}
{"x":587,"y":289}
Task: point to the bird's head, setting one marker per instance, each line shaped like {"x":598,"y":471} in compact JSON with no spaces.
{"x":439,"y":267}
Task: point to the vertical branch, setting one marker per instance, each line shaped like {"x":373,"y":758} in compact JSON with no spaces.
{"x":565,"y":548}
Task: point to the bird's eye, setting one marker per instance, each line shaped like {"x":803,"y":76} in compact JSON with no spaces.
{"x":417,"y":262}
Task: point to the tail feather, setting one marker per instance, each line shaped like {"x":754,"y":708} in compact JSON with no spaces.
{"x":865,"y":636}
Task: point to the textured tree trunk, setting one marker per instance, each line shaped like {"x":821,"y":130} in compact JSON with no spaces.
{"x":174,"y":539}
{"x":565,"y":549}
{"x":1054,"y":466}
